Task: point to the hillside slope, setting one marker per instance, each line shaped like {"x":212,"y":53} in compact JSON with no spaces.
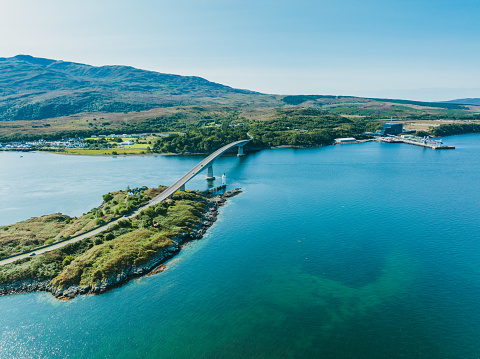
{"x":36,"y":88}
{"x":466,"y":101}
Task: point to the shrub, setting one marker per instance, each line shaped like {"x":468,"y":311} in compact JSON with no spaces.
{"x":109,"y":236}
{"x":107,"y":197}
{"x":67,"y":260}
{"x":125,"y":223}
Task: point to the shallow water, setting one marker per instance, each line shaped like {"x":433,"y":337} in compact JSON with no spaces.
{"x":353,"y":251}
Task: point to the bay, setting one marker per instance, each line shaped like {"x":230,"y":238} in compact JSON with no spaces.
{"x":351,"y":251}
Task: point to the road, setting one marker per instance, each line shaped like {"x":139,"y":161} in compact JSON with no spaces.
{"x":161,"y":197}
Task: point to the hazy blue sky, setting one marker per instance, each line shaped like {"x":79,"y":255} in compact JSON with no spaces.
{"x":423,"y":49}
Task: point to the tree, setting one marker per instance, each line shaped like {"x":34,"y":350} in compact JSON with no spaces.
{"x":107,"y":197}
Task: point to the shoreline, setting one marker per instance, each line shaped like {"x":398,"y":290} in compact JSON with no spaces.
{"x":175,"y":154}
{"x":154,"y":266}
{"x":117,"y":155}
{"x":199,"y":153}
{"x":157,"y":154}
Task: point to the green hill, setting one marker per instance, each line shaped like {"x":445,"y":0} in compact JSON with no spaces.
{"x":466,"y":101}
{"x":36,"y":88}
{"x":50,"y":99}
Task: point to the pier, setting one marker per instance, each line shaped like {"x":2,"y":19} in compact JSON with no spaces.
{"x":215,"y":189}
{"x":417,"y":141}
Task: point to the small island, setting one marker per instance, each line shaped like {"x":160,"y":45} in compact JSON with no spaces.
{"x":129,"y":248}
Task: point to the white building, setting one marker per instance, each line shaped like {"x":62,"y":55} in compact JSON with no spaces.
{"x":345,"y":140}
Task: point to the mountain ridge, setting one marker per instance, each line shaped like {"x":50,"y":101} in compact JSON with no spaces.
{"x":466,"y":101}
{"x":34,"y":88}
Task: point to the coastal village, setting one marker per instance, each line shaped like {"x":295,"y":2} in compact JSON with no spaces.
{"x":77,"y":142}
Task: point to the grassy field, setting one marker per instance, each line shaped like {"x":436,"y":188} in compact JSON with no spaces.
{"x":33,"y":232}
{"x":38,"y":231}
{"x":105,"y":151}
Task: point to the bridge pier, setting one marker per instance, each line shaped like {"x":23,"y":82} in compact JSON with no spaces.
{"x":182,"y":188}
{"x":210,"y":175}
{"x":240,"y":151}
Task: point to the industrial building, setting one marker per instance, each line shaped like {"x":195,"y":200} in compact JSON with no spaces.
{"x":392,"y":129}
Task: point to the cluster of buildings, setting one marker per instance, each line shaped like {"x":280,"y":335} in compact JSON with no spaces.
{"x":388,"y":129}
{"x":78,"y":142}
{"x":15,"y":146}
{"x":25,"y":145}
{"x":120,"y":136}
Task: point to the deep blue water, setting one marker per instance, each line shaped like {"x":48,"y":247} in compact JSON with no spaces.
{"x":353,"y":251}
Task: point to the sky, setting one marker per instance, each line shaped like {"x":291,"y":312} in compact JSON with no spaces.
{"x":422,"y":50}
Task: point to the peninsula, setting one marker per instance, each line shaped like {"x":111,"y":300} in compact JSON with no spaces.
{"x":154,"y":223}
{"x":127,"y":249}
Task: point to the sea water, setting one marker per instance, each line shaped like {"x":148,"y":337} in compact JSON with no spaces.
{"x":352,"y":251}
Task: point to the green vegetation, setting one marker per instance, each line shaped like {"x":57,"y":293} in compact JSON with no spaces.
{"x":45,"y":266}
{"x":37,"y":231}
{"x":447,"y":105}
{"x":374,"y":112}
{"x":32,"y":233}
{"x":293,"y":127}
{"x":201,"y":129}
{"x":109,"y":259}
{"x":454,"y":129}
{"x":199,"y":140}
{"x":422,"y":133}
{"x":46,"y":99}
{"x":306,"y":127}
{"x":160,"y":120}
{"x":128,"y":244}
{"x":105,"y":151}
{"x":299,"y":99}
{"x":134,"y":243}
{"x":38,"y":88}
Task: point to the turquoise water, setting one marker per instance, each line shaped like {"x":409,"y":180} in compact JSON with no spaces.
{"x":354,"y":251}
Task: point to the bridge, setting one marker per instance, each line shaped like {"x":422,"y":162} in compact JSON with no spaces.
{"x":206,"y":163}
{"x":179,"y":185}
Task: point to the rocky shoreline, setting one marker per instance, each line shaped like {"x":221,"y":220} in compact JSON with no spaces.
{"x":155,"y":265}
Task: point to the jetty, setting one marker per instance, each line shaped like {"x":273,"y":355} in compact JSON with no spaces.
{"x":435,"y":144}
{"x":215,"y":189}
